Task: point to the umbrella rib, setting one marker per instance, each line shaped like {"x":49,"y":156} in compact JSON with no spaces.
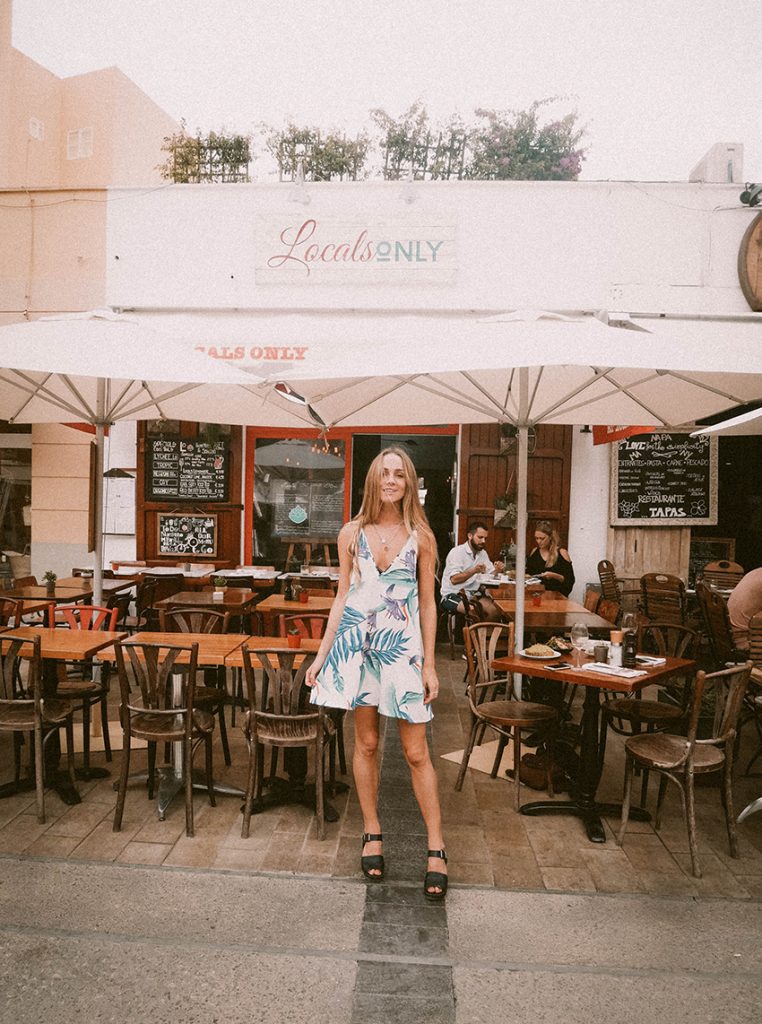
{"x":113,"y":408}
{"x":92,"y":416}
{"x":482,"y":390}
{"x":597,"y":374}
{"x":36,"y":388}
{"x":154,"y":400}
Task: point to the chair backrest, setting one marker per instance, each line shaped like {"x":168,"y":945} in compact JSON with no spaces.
{"x":722,"y":573}
{"x":240,"y":582}
{"x":714,"y":610}
{"x":667,"y":639}
{"x":82,"y":616}
{"x":194,"y":620}
{"x":609,"y":610}
{"x":10,"y":611}
{"x":609,"y":586}
{"x":312,"y":625}
{"x":167,"y":584}
{"x":755,"y":640}
{"x":11,"y":686}
{"x":121,"y":602}
{"x":729,"y":686}
{"x":26,"y":581}
{"x":282,"y":682}
{"x":663,"y":597}
{"x":484,"y":641}
{"x":145,"y":595}
{"x":153,"y":666}
{"x":592,"y":600}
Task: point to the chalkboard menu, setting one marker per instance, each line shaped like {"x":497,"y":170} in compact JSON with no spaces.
{"x":307,"y":509}
{"x":186,"y":534}
{"x":186,"y":470}
{"x":664,"y":479}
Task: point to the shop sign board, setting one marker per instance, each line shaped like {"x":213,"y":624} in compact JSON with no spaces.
{"x":664,"y":479}
{"x":178,"y":470}
{"x":304,"y":250}
{"x":181,"y":534}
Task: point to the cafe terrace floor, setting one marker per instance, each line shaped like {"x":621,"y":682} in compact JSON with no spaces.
{"x":488,"y":843}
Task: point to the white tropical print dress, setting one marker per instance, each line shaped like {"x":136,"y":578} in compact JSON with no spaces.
{"x":377,"y":654}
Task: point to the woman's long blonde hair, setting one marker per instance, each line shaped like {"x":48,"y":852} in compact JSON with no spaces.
{"x":546,"y":527}
{"x":412,"y":512}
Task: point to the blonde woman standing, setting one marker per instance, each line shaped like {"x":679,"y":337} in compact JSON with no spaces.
{"x":377,"y":655}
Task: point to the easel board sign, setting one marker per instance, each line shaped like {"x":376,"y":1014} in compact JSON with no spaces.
{"x":665,"y":478}
{"x":181,"y":534}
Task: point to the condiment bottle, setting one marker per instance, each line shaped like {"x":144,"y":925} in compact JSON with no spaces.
{"x":615,"y":650}
{"x":629,"y":649}
{"x":288,"y":591}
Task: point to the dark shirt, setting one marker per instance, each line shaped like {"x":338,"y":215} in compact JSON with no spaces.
{"x":536,"y":565}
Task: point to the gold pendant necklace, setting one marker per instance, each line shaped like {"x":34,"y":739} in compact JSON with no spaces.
{"x":384,"y":540}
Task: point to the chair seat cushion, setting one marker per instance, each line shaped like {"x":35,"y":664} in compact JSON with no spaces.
{"x":166,"y":729}
{"x":19,"y":714}
{"x":663,"y":750}
{"x":515,"y":712}
{"x":651,"y":712}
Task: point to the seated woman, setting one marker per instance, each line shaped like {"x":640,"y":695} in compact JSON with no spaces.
{"x":549,"y":561}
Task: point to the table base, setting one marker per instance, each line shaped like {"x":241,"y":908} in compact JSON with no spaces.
{"x":590,"y":816}
{"x":86,"y":774}
{"x":752,"y":808}
{"x":170,"y":782}
{"x":292,"y":791}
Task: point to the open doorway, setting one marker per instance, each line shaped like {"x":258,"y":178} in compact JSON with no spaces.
{"x":434,"y":457}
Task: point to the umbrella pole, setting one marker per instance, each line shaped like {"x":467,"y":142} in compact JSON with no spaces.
{"x":98,"y":494}
{"x":521,"y":544}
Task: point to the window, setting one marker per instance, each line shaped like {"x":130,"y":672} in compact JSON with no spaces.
{"x":79,"y":143}
{"x":36,"y":129}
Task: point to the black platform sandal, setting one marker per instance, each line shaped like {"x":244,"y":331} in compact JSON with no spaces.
{"x":374,"y":861}
{"x":435,"y":878}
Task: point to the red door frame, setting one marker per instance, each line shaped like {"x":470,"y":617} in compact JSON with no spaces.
{"x":345,"y":434}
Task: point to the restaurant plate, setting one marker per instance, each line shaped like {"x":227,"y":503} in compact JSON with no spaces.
{"x":541,"y":657}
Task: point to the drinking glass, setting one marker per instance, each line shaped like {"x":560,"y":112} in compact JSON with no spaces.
{"x":578,"y":637}
{"x":629,"y":623}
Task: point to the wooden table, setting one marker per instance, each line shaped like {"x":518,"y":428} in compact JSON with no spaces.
{"x":554,"y":614}
{"x":276,"y":604}
{"x":583,"y":803}
{"x":59,"y":645}
{"x":234,"y":599}
{"x":110,"y":586}
{"x":60,"y":595}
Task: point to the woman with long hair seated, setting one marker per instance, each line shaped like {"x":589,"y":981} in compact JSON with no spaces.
{"x":549,"y":561}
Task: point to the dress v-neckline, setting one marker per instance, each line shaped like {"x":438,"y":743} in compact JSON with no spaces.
{"x":393,"y":560}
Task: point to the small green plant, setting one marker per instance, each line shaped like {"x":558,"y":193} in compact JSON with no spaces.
{"x":49,"y":578}
{"x":219,"y":582}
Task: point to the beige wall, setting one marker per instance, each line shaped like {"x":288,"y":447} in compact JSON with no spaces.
{"x":60,"y":482}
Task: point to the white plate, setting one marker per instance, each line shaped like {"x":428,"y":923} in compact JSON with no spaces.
{"x":541,"y":657}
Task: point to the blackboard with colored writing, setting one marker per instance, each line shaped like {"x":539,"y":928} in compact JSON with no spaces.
{"x":178,"y":470}
{"x":308,"y":509}
{"x":181,"y":534}
{"x":664,"y":479}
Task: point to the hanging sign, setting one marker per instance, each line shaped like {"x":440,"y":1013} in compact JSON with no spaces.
{"x":308,"y":251}
{"x":186,"y":534}
{"x":664,"y":479}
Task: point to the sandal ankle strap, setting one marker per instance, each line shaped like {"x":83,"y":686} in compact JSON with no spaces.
{"x":437,"y":853}
{"x":368,"y":837}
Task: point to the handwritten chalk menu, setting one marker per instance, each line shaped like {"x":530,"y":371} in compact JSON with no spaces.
{"x":667,"y":479}
{"x":186,"y":470}
{"x":307,"y":509}
{"x":187,"y":535}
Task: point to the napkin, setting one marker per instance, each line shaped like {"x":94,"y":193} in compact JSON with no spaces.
{"x":647,"y":659}
{"x":613,"y":670}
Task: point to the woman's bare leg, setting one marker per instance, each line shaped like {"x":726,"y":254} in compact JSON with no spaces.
{"x":424,"y":779}
{"x":365,"y":768}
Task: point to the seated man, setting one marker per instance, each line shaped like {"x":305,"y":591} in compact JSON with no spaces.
{"x":744,"y":602}
{"x":464,"y":565}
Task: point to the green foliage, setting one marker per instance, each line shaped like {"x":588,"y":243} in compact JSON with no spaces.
{"x":49,"y":577}
{"x":514,"y":145}
{"x":215,"y":157}
{"x":414,"y":148}
{"x":321,"y":157}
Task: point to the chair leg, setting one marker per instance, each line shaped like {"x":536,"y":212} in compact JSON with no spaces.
{"x":338,"y":721}
{"x":86,"y":733}
{"x":730,"y":817}
{"x":151,"y":769}
{"x":690,"y":820}
{"x":223,"y":732}
{"x":188,"y":773}
{"x":659,"y":801}
{"x":251,"y":783}
{"x":516,"y":737}
{"x":123,"y":776}
{"x":499,"y":755}
{"x":319,"y":805}
{"x":629,"y":767}
{"x":466,"y":755}
{"x":70,"y":750}
{"x":39,"y":784}
{"x":209,"y":769}
{"x":104,"y":727}
{"x":602,"y":741}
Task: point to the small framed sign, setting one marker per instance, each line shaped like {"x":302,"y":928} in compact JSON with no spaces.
{"x":186,"y":534}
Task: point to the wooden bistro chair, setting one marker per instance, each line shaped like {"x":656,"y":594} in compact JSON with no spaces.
{"x":210,"y":698}
{"x":610,"y":588}
{"x":10,"y":611}
{"x":663,"y":598}
{"x":279,"y":717}
{"x":24,"y":709}
{"x":714,"y":612}
{"x":679,"y":759}
{"x":722,"y":574}
{"x":631,"y":715}
{"x":752,"y":709}
{"x":75,"y":681}
{"x":507,"y":717}
{"x":164,"y":712}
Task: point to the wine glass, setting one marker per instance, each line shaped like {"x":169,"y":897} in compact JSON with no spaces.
{"x":629,"y":623}
{"x":578,"y":637}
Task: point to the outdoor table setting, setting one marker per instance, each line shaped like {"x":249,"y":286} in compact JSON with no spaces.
{"x":237,"y":600}
{"x":594,"y":676}
{"x":276,"y":604}
{"x":59,"y":594}
{"x":58,"y":645}
{"x":548,"y":611}
{"x":213,"y":651}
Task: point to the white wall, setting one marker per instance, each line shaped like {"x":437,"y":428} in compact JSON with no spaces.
{"x":588,"y":509}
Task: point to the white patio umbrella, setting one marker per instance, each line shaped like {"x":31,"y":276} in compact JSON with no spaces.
{"x":98,"y":367}
{"x":743,"y":425}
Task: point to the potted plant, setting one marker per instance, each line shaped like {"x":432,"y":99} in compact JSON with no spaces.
{"x":219,"y":585}
{"x":294,"y":638}
{"x":49,"y":579}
